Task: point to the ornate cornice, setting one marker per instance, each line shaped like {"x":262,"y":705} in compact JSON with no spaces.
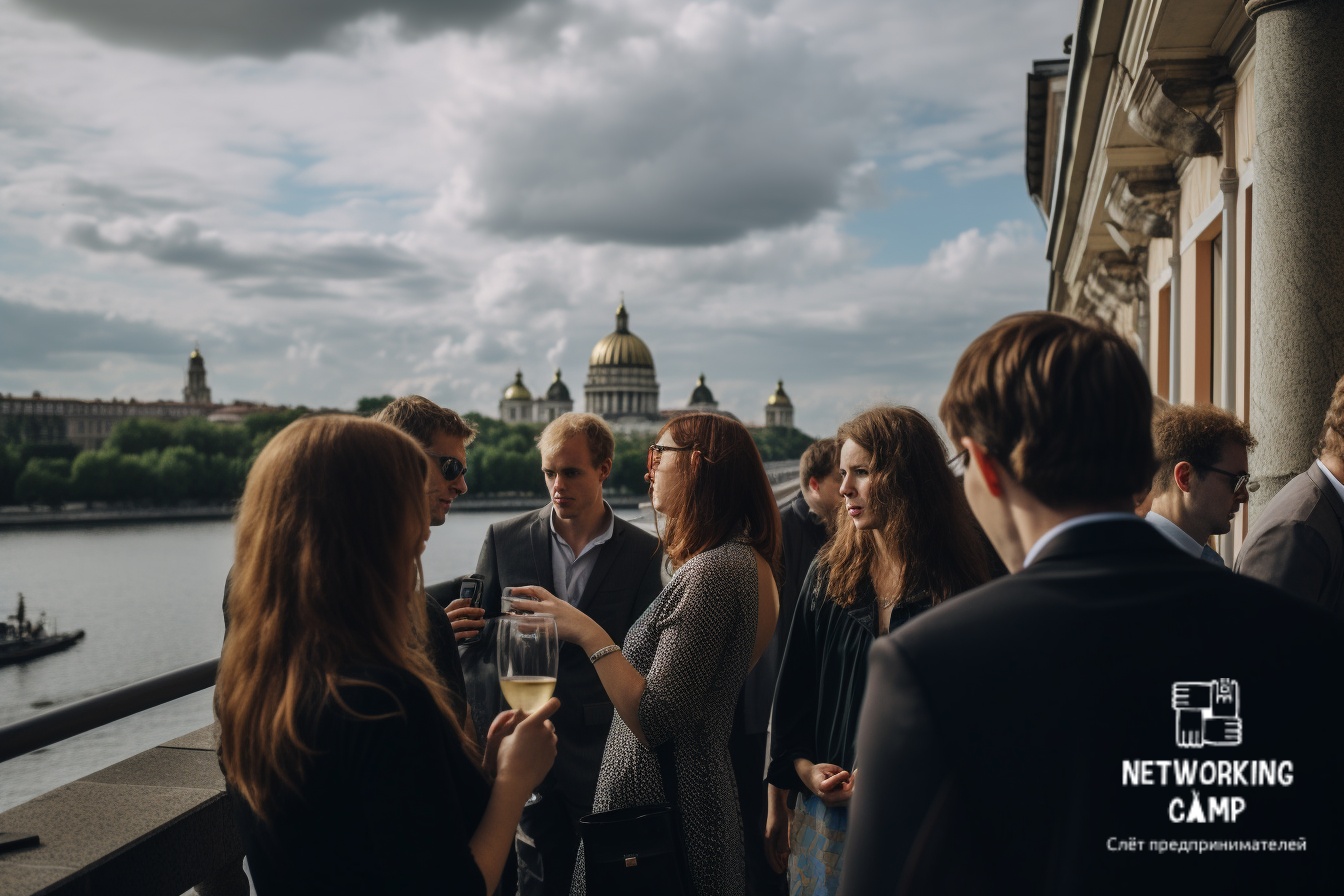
{"x":1116,"y":278}
{"x":1141,"y":201}
{"x":1161,"y":101}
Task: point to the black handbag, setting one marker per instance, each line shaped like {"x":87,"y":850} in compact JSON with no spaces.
{"x":638,"y":849}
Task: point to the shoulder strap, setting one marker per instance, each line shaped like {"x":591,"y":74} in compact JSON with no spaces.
{"x":667,"y":764}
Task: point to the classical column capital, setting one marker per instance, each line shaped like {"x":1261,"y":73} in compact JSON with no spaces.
{"x":1258,"y":7}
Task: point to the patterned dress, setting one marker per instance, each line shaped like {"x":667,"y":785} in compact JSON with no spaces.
{"x":693,"y":646}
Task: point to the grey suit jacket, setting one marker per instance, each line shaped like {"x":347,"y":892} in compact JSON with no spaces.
{"x":625,"y":580}
{"x":1297,"y":541}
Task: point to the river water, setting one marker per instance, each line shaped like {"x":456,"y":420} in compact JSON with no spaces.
{"x":148,"y":598}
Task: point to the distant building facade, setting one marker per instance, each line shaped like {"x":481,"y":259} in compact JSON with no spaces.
{"x":622,"y":388}
{"x":86,"y":423}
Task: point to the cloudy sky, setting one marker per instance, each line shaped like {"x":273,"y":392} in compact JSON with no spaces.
{"x":360,"y":197}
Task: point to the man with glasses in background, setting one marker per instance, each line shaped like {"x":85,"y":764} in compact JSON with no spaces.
{"x":1201,"y":479}
{"x":1297,"y":541}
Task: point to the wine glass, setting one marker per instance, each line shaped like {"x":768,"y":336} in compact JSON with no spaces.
{"x":528,"y":652}
{"x":529,"y":657}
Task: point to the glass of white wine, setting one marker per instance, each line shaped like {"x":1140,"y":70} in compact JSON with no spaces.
{"x":529,"y":658}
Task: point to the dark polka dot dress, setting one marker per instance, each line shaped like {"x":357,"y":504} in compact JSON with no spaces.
{"x":693,"y":646}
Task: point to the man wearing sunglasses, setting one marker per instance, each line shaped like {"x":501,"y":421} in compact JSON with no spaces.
{"x":1201,"y":479}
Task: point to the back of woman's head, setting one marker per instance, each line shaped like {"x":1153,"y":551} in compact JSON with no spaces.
{"x":324,"y":578}
{"x":724,"y":492}
{"x":922,"y":511}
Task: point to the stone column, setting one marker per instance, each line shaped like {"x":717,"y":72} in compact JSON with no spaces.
{"x":1297,"y":249}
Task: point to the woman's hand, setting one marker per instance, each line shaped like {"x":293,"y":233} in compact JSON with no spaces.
{"x":832,"y":783}
{"x":500,"y":728}
{"x":527,"y":753}
{"x":573,"y":624}
{"x":467,"y":621}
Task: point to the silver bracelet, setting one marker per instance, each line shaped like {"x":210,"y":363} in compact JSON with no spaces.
{"x":610,"y":648}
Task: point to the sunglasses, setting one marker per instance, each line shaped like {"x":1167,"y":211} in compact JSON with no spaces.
{"x":451,"y":468}
{"x":1239,"y":480}
{"x":656,"y":453}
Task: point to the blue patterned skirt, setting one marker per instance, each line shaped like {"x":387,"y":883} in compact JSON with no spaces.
{"x":816,"y":845}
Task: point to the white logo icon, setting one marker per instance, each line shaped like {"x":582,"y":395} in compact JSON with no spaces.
{"x":1208,"y":713}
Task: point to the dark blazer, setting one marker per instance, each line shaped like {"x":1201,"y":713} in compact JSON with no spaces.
{"x":1297,"y":541}
{"x":625,"y":580}
{"x":997,"y":729}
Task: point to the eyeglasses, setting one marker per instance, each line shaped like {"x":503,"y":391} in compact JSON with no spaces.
{"x":656,"y":453}
{"x":451,"y":468}
{"x":958,"y":461}
{"x":1239,"y":480}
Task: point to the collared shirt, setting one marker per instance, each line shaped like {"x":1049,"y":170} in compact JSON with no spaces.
{"x":1179,"y":537}
{"x":1072,"y":523}
{"x":1339,"y":487}
{"x":569,"y":573}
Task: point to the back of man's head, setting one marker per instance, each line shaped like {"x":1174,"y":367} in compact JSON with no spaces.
{"x":422,"y":420}
{"x":1331,"y":442}
{"x":818,"y":461}
{"x":594,"y":430}
{"x":1065,"y":407}
{"x":1196,"y":434}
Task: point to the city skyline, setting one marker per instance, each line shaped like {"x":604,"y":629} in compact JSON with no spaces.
{"x":406,"y":200}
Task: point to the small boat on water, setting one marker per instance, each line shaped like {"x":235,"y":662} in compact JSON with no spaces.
{"x":22,"y":639}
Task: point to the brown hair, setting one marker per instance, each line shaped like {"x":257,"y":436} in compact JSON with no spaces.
{"x":1196,"y":434}
{"x":601,"y":443}
{"x":924,"y":516}
{"x":422,"y":419}
{"x":1063,"y":405}
{"x":1331,"y":441}
{"x":818,"y":461}
{"x":724,"y":492}
{"x":326,"y":575}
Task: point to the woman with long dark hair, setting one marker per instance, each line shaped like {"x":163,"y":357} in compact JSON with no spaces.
{"x":349,"y":769}
{"x":905,"y":540}
{"x":683,"y":662}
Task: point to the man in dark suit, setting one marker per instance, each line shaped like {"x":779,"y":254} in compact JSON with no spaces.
{"x":1297,"y":540}
{"x":1116,"y":716}
{"x":579,"y":550}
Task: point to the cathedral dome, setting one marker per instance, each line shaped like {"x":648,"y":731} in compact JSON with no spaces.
{"x":558,"y":391}
{"x":621,"y":348}
{"x":701,"y":395}
{"x":780,"y":399}
{"x":517,"y":391}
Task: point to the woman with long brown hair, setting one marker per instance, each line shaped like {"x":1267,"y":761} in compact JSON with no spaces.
{"x":678,"y":676}
{"x":349,"y":769}
{"x":905,"y":540}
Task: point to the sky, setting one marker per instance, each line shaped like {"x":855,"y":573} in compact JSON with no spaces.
{"x":361,"y":197}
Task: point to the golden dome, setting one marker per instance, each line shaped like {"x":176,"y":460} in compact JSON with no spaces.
{"x":517,"y":391}
{"x":621,"y":348}
{"x":780,"y":399}
{"x":558,"y":390}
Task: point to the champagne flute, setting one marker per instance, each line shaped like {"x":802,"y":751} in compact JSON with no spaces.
{"x":528,"y":651}
{"x":529,"y":658}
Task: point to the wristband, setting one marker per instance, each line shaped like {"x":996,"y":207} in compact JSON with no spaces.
{"x":610,"y":648}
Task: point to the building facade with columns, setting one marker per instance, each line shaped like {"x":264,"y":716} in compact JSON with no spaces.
{"x":1186,"y":159}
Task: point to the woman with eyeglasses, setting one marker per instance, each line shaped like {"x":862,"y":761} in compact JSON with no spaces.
{"x":905,"y":540}
{"x":678,"y":676}
{"x":350,"y":770}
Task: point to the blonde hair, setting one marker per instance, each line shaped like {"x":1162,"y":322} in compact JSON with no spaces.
{"x":595,"y":431}
{"x":326,"y":576}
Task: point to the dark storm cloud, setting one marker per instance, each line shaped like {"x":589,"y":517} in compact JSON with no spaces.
{"x":291,"y":271}
{"x":262,"y":28}
{"x":699,"y":146}
{"x":32,"y":337}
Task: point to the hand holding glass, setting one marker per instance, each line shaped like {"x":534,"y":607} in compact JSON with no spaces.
{"x":529,"y":659}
